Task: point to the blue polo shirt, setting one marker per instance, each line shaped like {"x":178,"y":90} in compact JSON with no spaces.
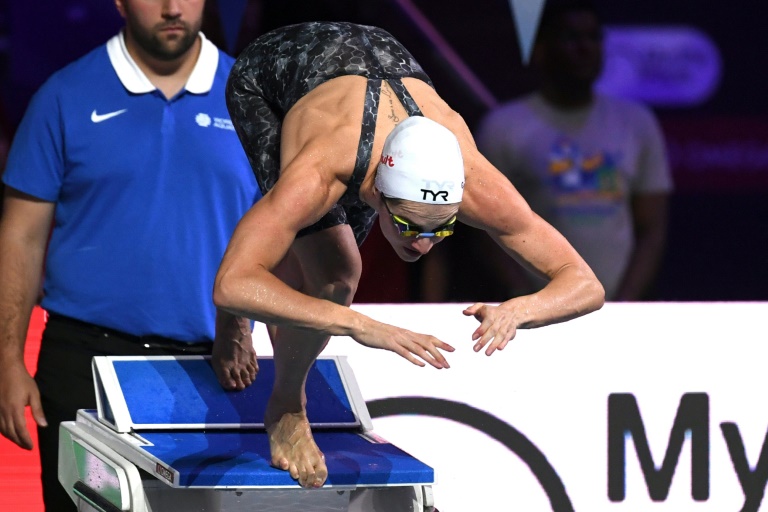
{"x":148,"y":191}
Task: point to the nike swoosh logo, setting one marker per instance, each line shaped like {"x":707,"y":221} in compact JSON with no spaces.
{"x":97,"y":118}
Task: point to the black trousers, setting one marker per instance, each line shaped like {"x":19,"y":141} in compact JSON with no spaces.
{"x":65,"y":380}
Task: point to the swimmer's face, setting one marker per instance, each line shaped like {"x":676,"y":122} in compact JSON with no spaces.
{"x":412,"y":229}
{"x":163,"y":29}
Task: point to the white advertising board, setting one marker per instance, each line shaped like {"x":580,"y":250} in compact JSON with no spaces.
{"x":637,"y":407}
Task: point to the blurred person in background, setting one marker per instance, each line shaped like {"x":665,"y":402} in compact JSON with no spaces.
{"x":593,"y":166}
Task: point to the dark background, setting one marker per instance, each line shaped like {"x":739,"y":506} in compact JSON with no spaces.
{"x":718,"y":242}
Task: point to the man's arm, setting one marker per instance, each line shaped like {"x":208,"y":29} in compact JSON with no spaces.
{"x":649,"y":213}
{"x":24,"y":229}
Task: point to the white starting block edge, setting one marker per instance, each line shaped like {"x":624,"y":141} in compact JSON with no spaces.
{"x":105,"y":471}
{"x":95,"y":470}
{"x":89,"y":431}
{"x":113,"y":409}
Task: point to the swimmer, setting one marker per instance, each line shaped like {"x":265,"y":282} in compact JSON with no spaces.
{"x":342,"y":126}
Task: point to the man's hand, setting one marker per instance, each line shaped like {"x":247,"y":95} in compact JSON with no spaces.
{"x":497,"y":326}
{"x":234,"y":358}
{"x":18,"y":390}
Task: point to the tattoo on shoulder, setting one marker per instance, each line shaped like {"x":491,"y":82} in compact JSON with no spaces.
{"x":387,"y":91}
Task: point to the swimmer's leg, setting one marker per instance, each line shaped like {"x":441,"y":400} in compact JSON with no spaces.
{"x":329,"y":265}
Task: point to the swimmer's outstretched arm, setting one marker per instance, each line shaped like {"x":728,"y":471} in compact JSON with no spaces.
{"x":246,"y":286}
{"x":493,"y":204}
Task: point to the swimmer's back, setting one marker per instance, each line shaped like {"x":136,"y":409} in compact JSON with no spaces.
{"x":287,"y":63}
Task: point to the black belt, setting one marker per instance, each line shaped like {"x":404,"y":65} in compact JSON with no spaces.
{"x":159,"y":342}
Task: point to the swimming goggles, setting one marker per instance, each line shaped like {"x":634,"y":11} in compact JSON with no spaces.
{"x":405,"y":228}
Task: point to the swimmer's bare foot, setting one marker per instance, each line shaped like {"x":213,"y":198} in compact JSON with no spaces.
{"x":294,"y":450}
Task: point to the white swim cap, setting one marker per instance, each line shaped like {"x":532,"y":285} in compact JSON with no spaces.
{"x":421,"y":162}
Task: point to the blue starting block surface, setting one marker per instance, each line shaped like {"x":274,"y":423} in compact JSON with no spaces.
{"x":237,"y":459}
{"x":170,"y":417}
{"x":183,"y":393}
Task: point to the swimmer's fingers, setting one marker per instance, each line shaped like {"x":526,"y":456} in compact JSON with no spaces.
{"x":481,"y":334}
{"x":475,"y":310}
{"x":416,"y":348}
{"x":432,"y":347}
{"x":498,"y":342}
{"x":427,"y":348}
{"x":497,"y":328}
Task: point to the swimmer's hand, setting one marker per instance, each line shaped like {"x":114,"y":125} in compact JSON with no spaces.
{"x":406,"y":344}
{"x":234,"y":358}
{"x":497,"y":326}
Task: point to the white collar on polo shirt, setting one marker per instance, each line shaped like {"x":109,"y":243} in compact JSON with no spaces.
{"x":134,"y":79}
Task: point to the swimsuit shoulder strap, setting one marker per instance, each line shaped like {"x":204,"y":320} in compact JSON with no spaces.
{"x":405,"y":97}
{"x":367,"y":132}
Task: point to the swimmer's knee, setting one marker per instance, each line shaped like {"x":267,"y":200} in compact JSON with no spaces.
{"x":330,"y":263}
{"x":339,"y":284}
{"x":339,"y":291}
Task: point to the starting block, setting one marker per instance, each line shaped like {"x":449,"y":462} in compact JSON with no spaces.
{"x":166,"y":437}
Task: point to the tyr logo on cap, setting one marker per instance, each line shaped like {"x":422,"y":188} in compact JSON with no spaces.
{"x":429,"y":194}
{"x":443,"y":194}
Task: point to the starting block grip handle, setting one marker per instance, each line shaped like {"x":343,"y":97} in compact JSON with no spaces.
{"x":94,"y":499}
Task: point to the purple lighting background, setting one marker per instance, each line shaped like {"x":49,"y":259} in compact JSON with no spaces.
{"x":718,"y":147}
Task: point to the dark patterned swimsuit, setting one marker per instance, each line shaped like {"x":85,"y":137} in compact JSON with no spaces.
{"x":280,"y":67}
